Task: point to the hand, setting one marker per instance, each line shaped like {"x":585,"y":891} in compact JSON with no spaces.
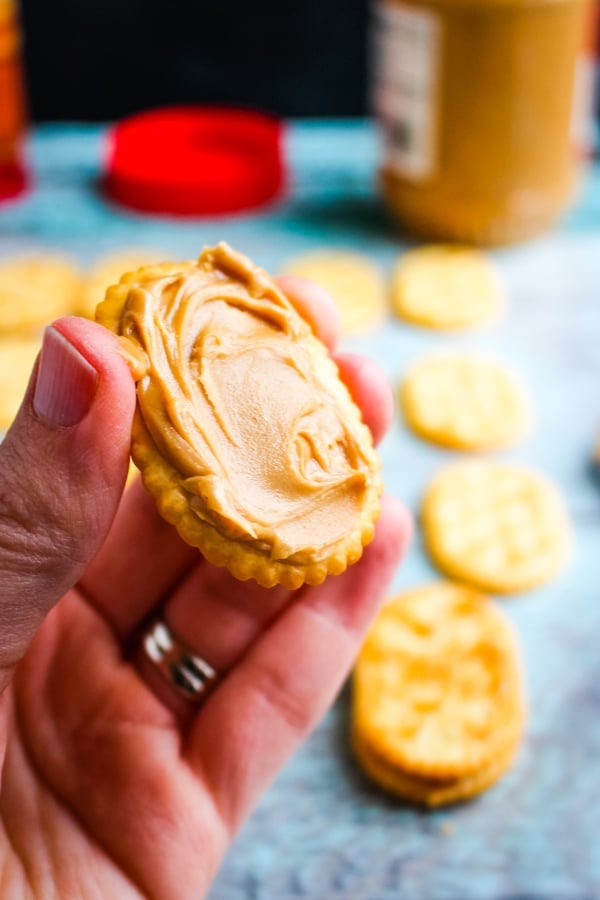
{"x":112,"y":785}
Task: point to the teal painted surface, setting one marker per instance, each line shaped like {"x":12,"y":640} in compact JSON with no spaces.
{"x":322,"y":832}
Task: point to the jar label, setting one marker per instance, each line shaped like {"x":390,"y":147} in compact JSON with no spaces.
{"x":405,"y":64}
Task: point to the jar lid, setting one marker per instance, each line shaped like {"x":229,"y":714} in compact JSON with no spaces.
{"x":13,"y":180}
{"x":195,"y":160}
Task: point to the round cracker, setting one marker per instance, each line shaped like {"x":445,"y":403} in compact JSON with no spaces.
{"x":17,"y":356}
{"x":464,"y":402}
{"x":500,"y":527}
{"x":353,"y":280}
{"x":107,"y":271}
{"x":35,"y":290}
{"x":447,"y":287}
{"x":430,"y":792}
{"x":437,"y":689}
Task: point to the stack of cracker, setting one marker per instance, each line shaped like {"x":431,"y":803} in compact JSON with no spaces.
{"x":438,"y":703}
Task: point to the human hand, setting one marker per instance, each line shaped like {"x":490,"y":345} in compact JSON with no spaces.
{"x":113,"y":785}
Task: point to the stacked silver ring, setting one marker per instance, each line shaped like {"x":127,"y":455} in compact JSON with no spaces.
{"x":190,"y":675}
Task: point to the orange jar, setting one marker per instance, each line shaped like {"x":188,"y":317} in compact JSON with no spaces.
{"x":484,"y":108}
{"x":12,"y":102}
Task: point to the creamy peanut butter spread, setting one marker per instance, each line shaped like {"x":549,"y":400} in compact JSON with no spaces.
{"x":244,"y":412}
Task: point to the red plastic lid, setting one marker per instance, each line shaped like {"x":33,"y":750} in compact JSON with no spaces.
{"x":13,"y":180}
{"x":195,"y":160}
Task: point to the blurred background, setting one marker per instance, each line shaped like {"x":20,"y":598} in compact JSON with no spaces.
{"x":95,"y":61}
{"x":392,"y":126}
{"x":98,"y":60}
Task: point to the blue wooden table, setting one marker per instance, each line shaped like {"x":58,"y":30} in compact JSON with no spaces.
{"x":322,"y":831}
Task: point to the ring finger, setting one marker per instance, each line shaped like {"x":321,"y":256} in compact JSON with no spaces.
{"x":216,"y":617}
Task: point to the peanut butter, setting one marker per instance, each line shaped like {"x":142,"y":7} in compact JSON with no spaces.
{"x":483,"y":106}
{"x":249,"y":429}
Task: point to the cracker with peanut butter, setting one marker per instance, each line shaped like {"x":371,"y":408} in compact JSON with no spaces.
{"x":106,"y":271}
{"x":438,"y":702}
{"x":244,"y":432}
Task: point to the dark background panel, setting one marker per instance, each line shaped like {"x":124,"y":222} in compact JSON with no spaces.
{"x":101,"y":59}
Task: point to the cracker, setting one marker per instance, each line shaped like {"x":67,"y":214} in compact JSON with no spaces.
{"x":446,"y":287}
{"x":35,"y":290}
{"x":132,"y":473}
{"x":437,"y":689}
{"x":500,"y":527}
{"x":430,"y":792}
{"x":244,"y":432}
{"x":464,"y":402}
{"x":107,"y":271}
{"x":17,"y":356}
{"x":354,"y":282}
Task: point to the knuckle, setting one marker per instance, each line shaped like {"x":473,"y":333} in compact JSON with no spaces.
{"x":24,"y":535}
{"x":35,"y":533}
{"x":275,"y":692}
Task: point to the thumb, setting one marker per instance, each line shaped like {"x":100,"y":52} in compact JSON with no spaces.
{"x":63,"y":465}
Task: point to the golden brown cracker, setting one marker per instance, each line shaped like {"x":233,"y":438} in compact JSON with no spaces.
{"x":500,"y":527}
{"x":432,"y":792}
{"x":354,"y":282}
{"x":446,"y":287}
{"x":244,"y":433}
{"x":106,"y":271}
{"x":17,"y":356}
{"x":35,"y":290}
{"x":437,"y":688}
{"x":464,"y":402}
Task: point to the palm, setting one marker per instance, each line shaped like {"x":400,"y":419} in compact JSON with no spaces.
{"x":105,"y":783}
{"x":103,"y":764}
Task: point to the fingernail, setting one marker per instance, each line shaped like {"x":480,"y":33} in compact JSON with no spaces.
{"x":66,"y":382}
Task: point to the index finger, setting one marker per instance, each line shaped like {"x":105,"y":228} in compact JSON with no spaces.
{"x":314,"y":304}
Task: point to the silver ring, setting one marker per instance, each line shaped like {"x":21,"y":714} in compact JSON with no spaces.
{"x":190,"y":675}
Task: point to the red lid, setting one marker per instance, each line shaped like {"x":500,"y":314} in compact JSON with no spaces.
{"x":195,"y":160}
{"x":13,"y":180}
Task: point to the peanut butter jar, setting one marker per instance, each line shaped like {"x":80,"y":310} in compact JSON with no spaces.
{"x":484,"y":113}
